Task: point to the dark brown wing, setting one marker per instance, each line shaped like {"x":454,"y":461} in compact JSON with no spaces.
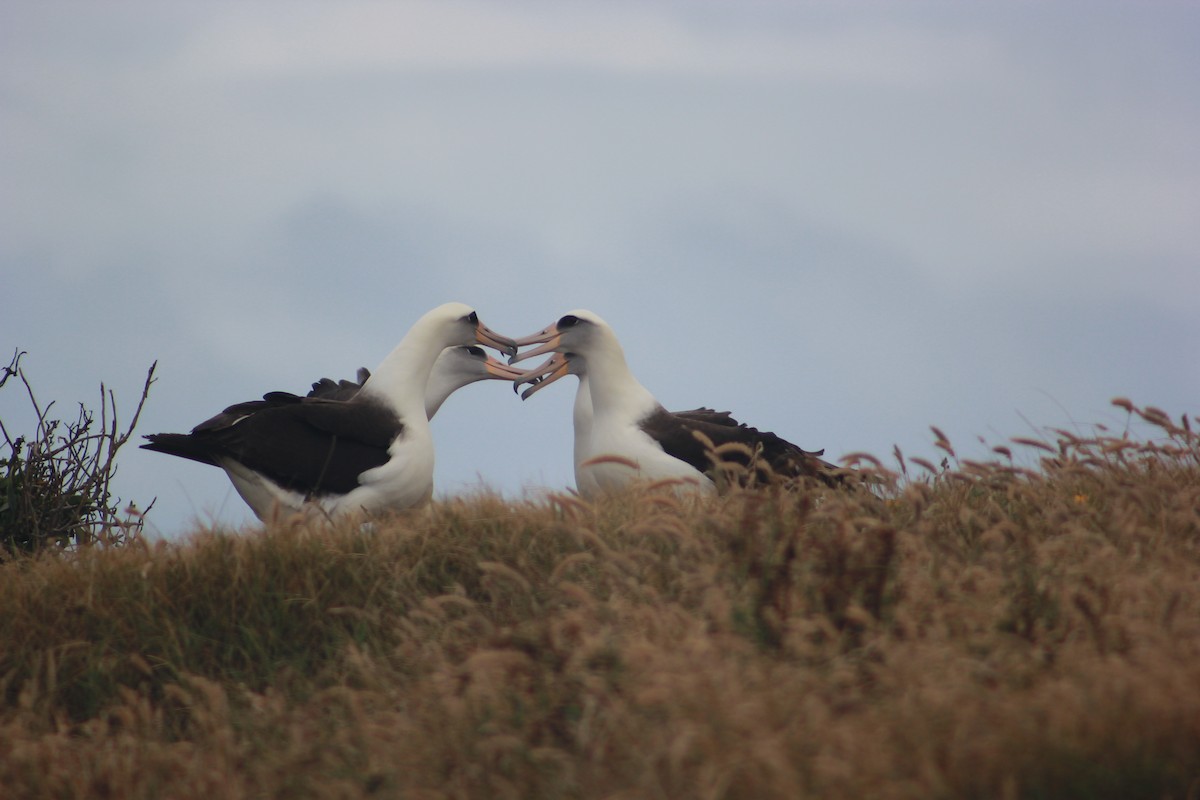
{"x":329,"y":389}
{"x":309,"y":445}
{"x":686,"y":436}
{"x":704,"y":414}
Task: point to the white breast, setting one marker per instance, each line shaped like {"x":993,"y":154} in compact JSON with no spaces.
{"x":405,"y":480}
{"x":628,"y":443}
{"x":585,"y":483}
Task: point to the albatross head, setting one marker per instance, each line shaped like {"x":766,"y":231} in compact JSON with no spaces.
{"x":572,"y":339}
{"x":403,"y":376}
{"x":578,"y":332}
{"x":467,"y":363}
{"x":459,"y":324}
{"x":460,"y":366}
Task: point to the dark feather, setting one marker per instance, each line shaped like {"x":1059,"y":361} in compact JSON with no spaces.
{"x":311,"y":445}
{"x":704,"y":414}
{"x":329,"y":389}
{"x":686,"y":435}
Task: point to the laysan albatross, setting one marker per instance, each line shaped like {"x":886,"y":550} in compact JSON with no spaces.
{"x":614,"y":415}
{"x":343,"y":449}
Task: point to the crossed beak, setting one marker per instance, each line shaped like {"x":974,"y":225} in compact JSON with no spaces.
{"x":548,"y":338}
{"x":542,"y":375}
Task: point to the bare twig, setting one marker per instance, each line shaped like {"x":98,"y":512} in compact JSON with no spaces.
{"x":56,"y":488}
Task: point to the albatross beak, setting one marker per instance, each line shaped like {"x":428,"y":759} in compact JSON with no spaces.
{"x":486,"y":336}
{"x":547,"y":337}
{"x":543,"y":375}
{"x":501,"y":371}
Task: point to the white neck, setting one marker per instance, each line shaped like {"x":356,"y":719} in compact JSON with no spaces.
{"x":401,"y":379}
{"x":436,"y":392}
{"x":443,"y":382}
{"x":611,"y":384}
{"x":582,"y":415}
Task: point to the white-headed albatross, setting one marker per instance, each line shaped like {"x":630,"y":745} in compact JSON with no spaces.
{"x":343,"y":448}
{"x":615,"y":415}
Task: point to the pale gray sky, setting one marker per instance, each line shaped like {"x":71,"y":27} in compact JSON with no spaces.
{"x":843,"y":222}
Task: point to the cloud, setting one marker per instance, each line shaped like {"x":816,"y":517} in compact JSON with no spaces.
{"x":629,"y":39}
{"x":841,"y":226}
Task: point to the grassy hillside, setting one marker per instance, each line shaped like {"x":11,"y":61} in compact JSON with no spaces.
{"x":991,"y":631}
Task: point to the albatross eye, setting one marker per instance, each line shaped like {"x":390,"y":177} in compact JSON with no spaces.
{"x":476,"y":351}
{"x":568,"y":321}
{"x":473,"y":318}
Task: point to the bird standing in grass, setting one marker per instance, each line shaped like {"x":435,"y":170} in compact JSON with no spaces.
{"x":342,"y":449}
{"x":623,"y":434}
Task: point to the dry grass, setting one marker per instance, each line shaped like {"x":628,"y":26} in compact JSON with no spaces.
{"x":994,"y":631}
